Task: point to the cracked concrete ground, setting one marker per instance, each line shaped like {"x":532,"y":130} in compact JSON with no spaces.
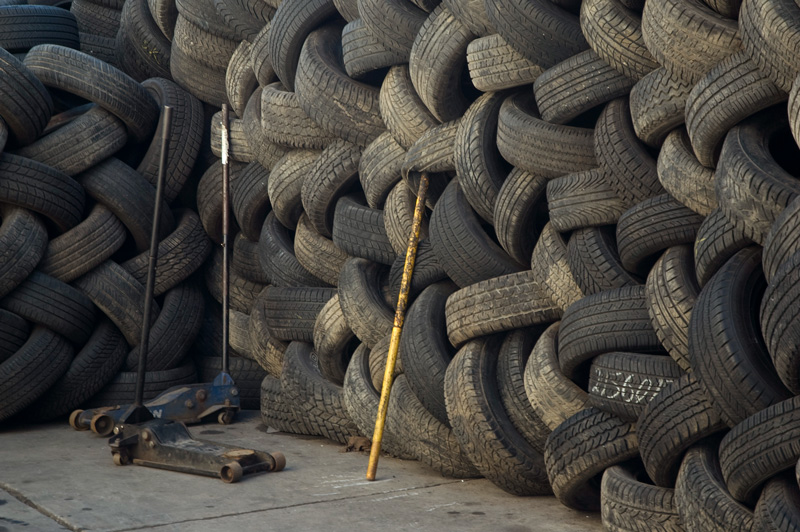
{"x":54,"y":478}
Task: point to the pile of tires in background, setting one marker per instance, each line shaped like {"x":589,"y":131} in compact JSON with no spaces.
{"x":604,"y":304}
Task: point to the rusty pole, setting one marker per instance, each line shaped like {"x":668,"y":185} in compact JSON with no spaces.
{"x":399,"y":317}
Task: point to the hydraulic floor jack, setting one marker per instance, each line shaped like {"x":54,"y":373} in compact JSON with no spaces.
{"x":154,"y":434}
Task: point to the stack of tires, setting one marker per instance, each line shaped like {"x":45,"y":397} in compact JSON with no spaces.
{"x":603,"y":304}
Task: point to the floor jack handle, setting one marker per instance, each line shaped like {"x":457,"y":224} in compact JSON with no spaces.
{"x":225,"y":230}
{"x":399,"y":317}
{"x":144,"y":344}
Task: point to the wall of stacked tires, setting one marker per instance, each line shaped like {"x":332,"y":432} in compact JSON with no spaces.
{"x":604,"y":303}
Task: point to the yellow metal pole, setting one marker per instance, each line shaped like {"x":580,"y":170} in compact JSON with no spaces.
{"x":399,"y":316}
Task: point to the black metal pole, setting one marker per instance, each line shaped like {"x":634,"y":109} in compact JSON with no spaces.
{"x":225,"y":230}
{"x":144,"y":343}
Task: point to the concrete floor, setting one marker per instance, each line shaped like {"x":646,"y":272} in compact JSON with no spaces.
{"x":54,"y":478}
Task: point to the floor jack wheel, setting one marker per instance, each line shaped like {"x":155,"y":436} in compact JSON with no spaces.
{"x":73,"y":420}
{"x":102,"y":424}
{"x":121,"y":458}
{"x":225,"y":417}
{"x":231,"y":473}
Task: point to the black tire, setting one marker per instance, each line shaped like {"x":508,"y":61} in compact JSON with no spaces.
{"x":204,"y":47}
{"x":331,"y":177}
{"x":317,"y":254}
{"x":677,"y":418}
{"x":393,"y":23}
{"x":85,"y":246}
{"x":704,"y":502}
{"x":752,"y":185}
{"x":543,"y":32}
{"x":531,"y":144}
{"x":615,"y":320}
{"x":426,"y":272}
{"x":466,"y":252}
{"x":174,"y":331}
{"x":738,"y":83}
{"x":760,"y":447}
{"x":292,"y":312}
{"x":96,"y":18}
{"x":262,"y":65}
{"x":580,"y":449}
{"x":552,"y":395}
{"x":46,"y":301}
{"x":26,"y":105}
{"x":434,"y":153}
{"x":184,"y":136}
{"x":614,"y":31}
{"x":245,"y":18}
{"x":629,"y":167}
{"x":285,"y":185}
{"x":122,"y":389}
{"x":402,"y":110}
{"x":23,"y":239}
{"x":629,"y":502}
{"x":241,"y":292}
{"x":334,"y":342}
{"x":583,"y":199}
{"x":471,"y":13}
{"x":577,"y":85}
{"x":42,"y":189}
{"x":25,"y":27}
{"x":278,"y":412}
{"x":652,"y":226}
{"x":119,"y":295}
{"x":495,"y":65}
{"x":672,"y":290}
{"x":777,"y":506}
{"x":482,"y":426}
{"x":770,"y":33}
{"x":292,"y":23}
{"x":209,"y":198}
{"x":250,"y":199}
{"x":687,"y":37}
{"x":380,"y":168}
{"x":180,"y":254}
{"x":361,"y":401}
{"x":726,"y":348}
{"x":782,"y":240}
{"x":267,"y":351}
{"x":437,"y":61}
{"x":129,"y":196}
{"x":204,"y":83}
{"x":424,"y":348}
{"x":520,"y":213}
{"x":343,"y":107}
{"x":594,"y":261}
{"x":511,"y":361}
{"x":165,"y":14}
{"x":682,"y":175}
{"x":34,"y":368}
{"x":398,"y":216}
{"x":98,"y":82}
{"x":142,"y":50}
{"x":359,"y":231}
{"x":778,"y":323}
{"x":363,"y":305}
{"x":245,"y":260}
{"x":321,"y":400}
{"x":623,"y":384}
{"x":498,"y":304}
{"x":550,"y":268}
{"x":717,"y":241}
{"x":286,"y":123}
{"x":240,"y":80}
{"x":428,"y":439}
{"x":480,"y":169}
{"x":239,"y":148}
{"x":93,"y":367}
{"x":276,"y":254}
{"x":657,"y":103}
{"x":83,"y":142}
{"x":14,"y":332}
